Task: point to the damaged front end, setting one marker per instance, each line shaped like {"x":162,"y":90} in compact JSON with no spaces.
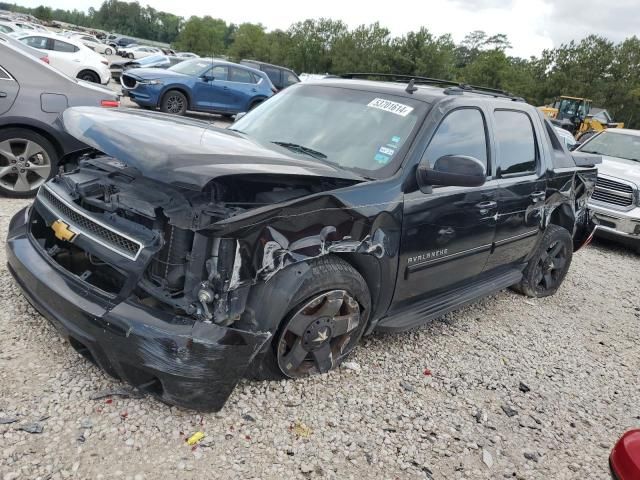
{"x":151,"y":280}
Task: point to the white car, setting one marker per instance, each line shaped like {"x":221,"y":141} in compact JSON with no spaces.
{"x":140,"y":52}
{"x":70,"y":56}
{"x":10,"y":27}
{"x":187,"y":55}
{"x":93,"y":43}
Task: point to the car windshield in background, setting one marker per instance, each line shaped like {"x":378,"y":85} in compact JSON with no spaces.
{"x":618,"y":145}
{"x":194,"y":67}
{"x":354,"y":129}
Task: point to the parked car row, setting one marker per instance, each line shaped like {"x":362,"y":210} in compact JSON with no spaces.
{"x":153,"y":61}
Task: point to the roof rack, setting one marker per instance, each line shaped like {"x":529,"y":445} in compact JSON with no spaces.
{"x":454,"y":88}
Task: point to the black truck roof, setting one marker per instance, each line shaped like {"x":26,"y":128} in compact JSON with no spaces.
{"x":422,"y":88}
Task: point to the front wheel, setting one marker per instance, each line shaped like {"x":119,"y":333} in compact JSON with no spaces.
{"x":326,"y":319}
{"x":27,"y":160}
{"x":108,"y":51}
{"x":549,"y":265}
{"x":174,"y":102}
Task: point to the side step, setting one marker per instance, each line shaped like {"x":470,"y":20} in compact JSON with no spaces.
{"x":436,"y":306}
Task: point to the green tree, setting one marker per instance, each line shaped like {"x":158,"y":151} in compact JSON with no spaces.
{"x":204,"y":36}
{"x":249,"y":41}
{"x":43,"y":13}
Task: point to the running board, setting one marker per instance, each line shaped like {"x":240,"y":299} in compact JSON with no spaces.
{"x":434,"y":307}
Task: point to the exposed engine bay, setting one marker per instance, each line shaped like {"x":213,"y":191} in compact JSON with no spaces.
{"x":167,"y":248}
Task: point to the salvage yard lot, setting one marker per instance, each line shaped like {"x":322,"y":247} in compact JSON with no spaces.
{"x":449,"y":400}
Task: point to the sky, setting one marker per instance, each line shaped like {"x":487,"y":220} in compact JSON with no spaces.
{"x":531,"y":25}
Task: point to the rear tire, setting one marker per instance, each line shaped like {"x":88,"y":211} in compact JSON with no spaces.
{"x":27,"y":160}
{"x":108,"y":51}
{"x":174,"y":102}
{"x":89,"y":76}
{"x":549,"y":265}
{"x":325,"y":320}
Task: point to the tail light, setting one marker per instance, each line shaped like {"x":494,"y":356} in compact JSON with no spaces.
{"x":109,"y":103}
{"x":45,"y":59}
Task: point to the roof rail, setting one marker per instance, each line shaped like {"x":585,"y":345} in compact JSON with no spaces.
{"x":455,"y":88}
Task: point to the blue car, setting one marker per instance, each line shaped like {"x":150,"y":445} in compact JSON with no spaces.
{"x":200,"y":84}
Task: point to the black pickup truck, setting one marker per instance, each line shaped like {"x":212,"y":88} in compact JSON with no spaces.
{"x":180,"y":257}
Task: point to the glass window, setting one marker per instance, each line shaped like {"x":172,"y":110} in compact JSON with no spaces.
{"x":353,"y":129}
{"x":60,"y":46}
{"x":5,"y":29}
{"x":610,"y":144}
{"x":290,"y":79}
{"x":4,"y":75}
{"x":462,"y":132}
{"x":274,"y":75}
{"x":41,"y":43}
{"x":516,"y":143}
{"x":241,"y":75}
{"x":219,"y":72}
{"x":194,"y":68}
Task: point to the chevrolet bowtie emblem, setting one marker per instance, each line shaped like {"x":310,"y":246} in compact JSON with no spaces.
{"x":62,"y":231}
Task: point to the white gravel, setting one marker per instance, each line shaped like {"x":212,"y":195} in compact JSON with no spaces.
{"x":449,"y":400}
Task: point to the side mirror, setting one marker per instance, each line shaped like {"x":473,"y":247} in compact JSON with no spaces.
{"x":452,"y":170}
{"x":240,"y":115}
{"x":207,"y":78}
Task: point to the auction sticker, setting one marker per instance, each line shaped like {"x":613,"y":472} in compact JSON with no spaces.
{"x":391,"y":107}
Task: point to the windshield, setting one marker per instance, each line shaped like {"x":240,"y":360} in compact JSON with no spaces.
{"x":195,"y":68}
{"x":618,"y":145}
{"x":354,"y":129}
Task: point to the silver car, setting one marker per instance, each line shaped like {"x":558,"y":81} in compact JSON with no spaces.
{"x":615,"y":201}
{"x":32,"y":97}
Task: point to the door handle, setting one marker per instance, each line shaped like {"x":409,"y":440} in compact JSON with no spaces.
{"x":487,"y":205}
{"x":225,"y":88}
{"x":3,"y":94}
{"x":538,"y":196}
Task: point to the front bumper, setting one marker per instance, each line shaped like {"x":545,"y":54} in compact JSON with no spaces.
{"x":181,"y":361}
{"x":617,"y":224}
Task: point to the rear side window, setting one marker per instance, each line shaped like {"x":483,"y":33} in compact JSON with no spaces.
{"x":240,"y":75}
{"x":516,"y":143}
{"x":462,"y":132}
{"x":274,"y":74}
{"x":5,"y":29}
{"x":60,"y":46}
{"x":290,"y":79}
{"x":41,"y":43}
{"x":4,"y":75}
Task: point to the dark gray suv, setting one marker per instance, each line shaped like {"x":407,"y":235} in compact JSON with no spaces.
{"x":32,"y":97}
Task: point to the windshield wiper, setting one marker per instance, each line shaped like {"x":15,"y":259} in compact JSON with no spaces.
{"x":294,"y":147}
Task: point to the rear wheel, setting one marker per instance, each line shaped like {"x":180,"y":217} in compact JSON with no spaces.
{"x":131,"y":56}
{"x":27,"y":160}
{"x":108,"y":51}
{"x":89,"y":76}
{"x":549,"y":265}
{"x":326,"y":319}
{"x":255,"y":104}
{"x":174,"y":102}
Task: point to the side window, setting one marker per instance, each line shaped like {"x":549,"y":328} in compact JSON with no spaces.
{"x":274,"y":75}
{"x":240,"y":75}
{"x":290,"y":79}
{"x":4,"y":75}
{"x":4,"y":29}
{"x":516,"y":143}
{"x":60,"y":46}
{"x":219,"y":72}
{"x":462,"y":132}
{"x":41,"y":43}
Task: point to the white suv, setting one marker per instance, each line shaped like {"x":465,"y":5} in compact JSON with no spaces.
{"x":70,"y":56}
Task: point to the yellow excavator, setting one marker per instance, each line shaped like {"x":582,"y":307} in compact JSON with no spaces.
{"x":576,"y":115}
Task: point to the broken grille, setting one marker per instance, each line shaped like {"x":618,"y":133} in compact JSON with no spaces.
{"x":613,"y":192}
{"x":89,"y":227}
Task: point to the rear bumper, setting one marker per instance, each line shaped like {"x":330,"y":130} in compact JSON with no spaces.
{"x":181,"y":361}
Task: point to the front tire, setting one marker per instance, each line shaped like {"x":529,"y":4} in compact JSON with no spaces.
{"x":27,"y":160}
{"x":325,"y":320}
{"x":548,"y":267}
{"x":174,"y":102}
{"x":108,"y":51}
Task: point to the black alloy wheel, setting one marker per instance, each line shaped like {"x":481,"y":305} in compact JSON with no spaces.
{"x":319,"y":333}
{"x":174,"y":102}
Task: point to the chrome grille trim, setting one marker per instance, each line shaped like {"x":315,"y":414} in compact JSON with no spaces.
{"x":613,"y":192}
{"x":90,"y":227}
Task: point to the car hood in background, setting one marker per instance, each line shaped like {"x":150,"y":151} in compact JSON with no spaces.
{"x":620,"y":168}
{"x":154,"y":73}
{"x":184,"y":151}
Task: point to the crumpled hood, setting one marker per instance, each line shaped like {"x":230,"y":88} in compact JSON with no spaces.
{"x":184,"y":151}
{"x":620,"y":168}
{"x":147,"y":73}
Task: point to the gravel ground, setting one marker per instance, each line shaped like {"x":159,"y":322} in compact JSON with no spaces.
{"x":507,"y":388}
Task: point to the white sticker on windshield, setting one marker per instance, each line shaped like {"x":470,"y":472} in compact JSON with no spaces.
{"x":391,"y":107}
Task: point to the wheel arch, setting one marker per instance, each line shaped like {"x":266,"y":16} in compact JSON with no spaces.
{"x":563,"y":216}
{"x":90,"y":70}
{"x":46,"y":133}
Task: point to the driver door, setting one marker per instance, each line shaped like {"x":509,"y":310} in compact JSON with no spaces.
{"x":209,"y":92}
{"x":447,"y":234}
